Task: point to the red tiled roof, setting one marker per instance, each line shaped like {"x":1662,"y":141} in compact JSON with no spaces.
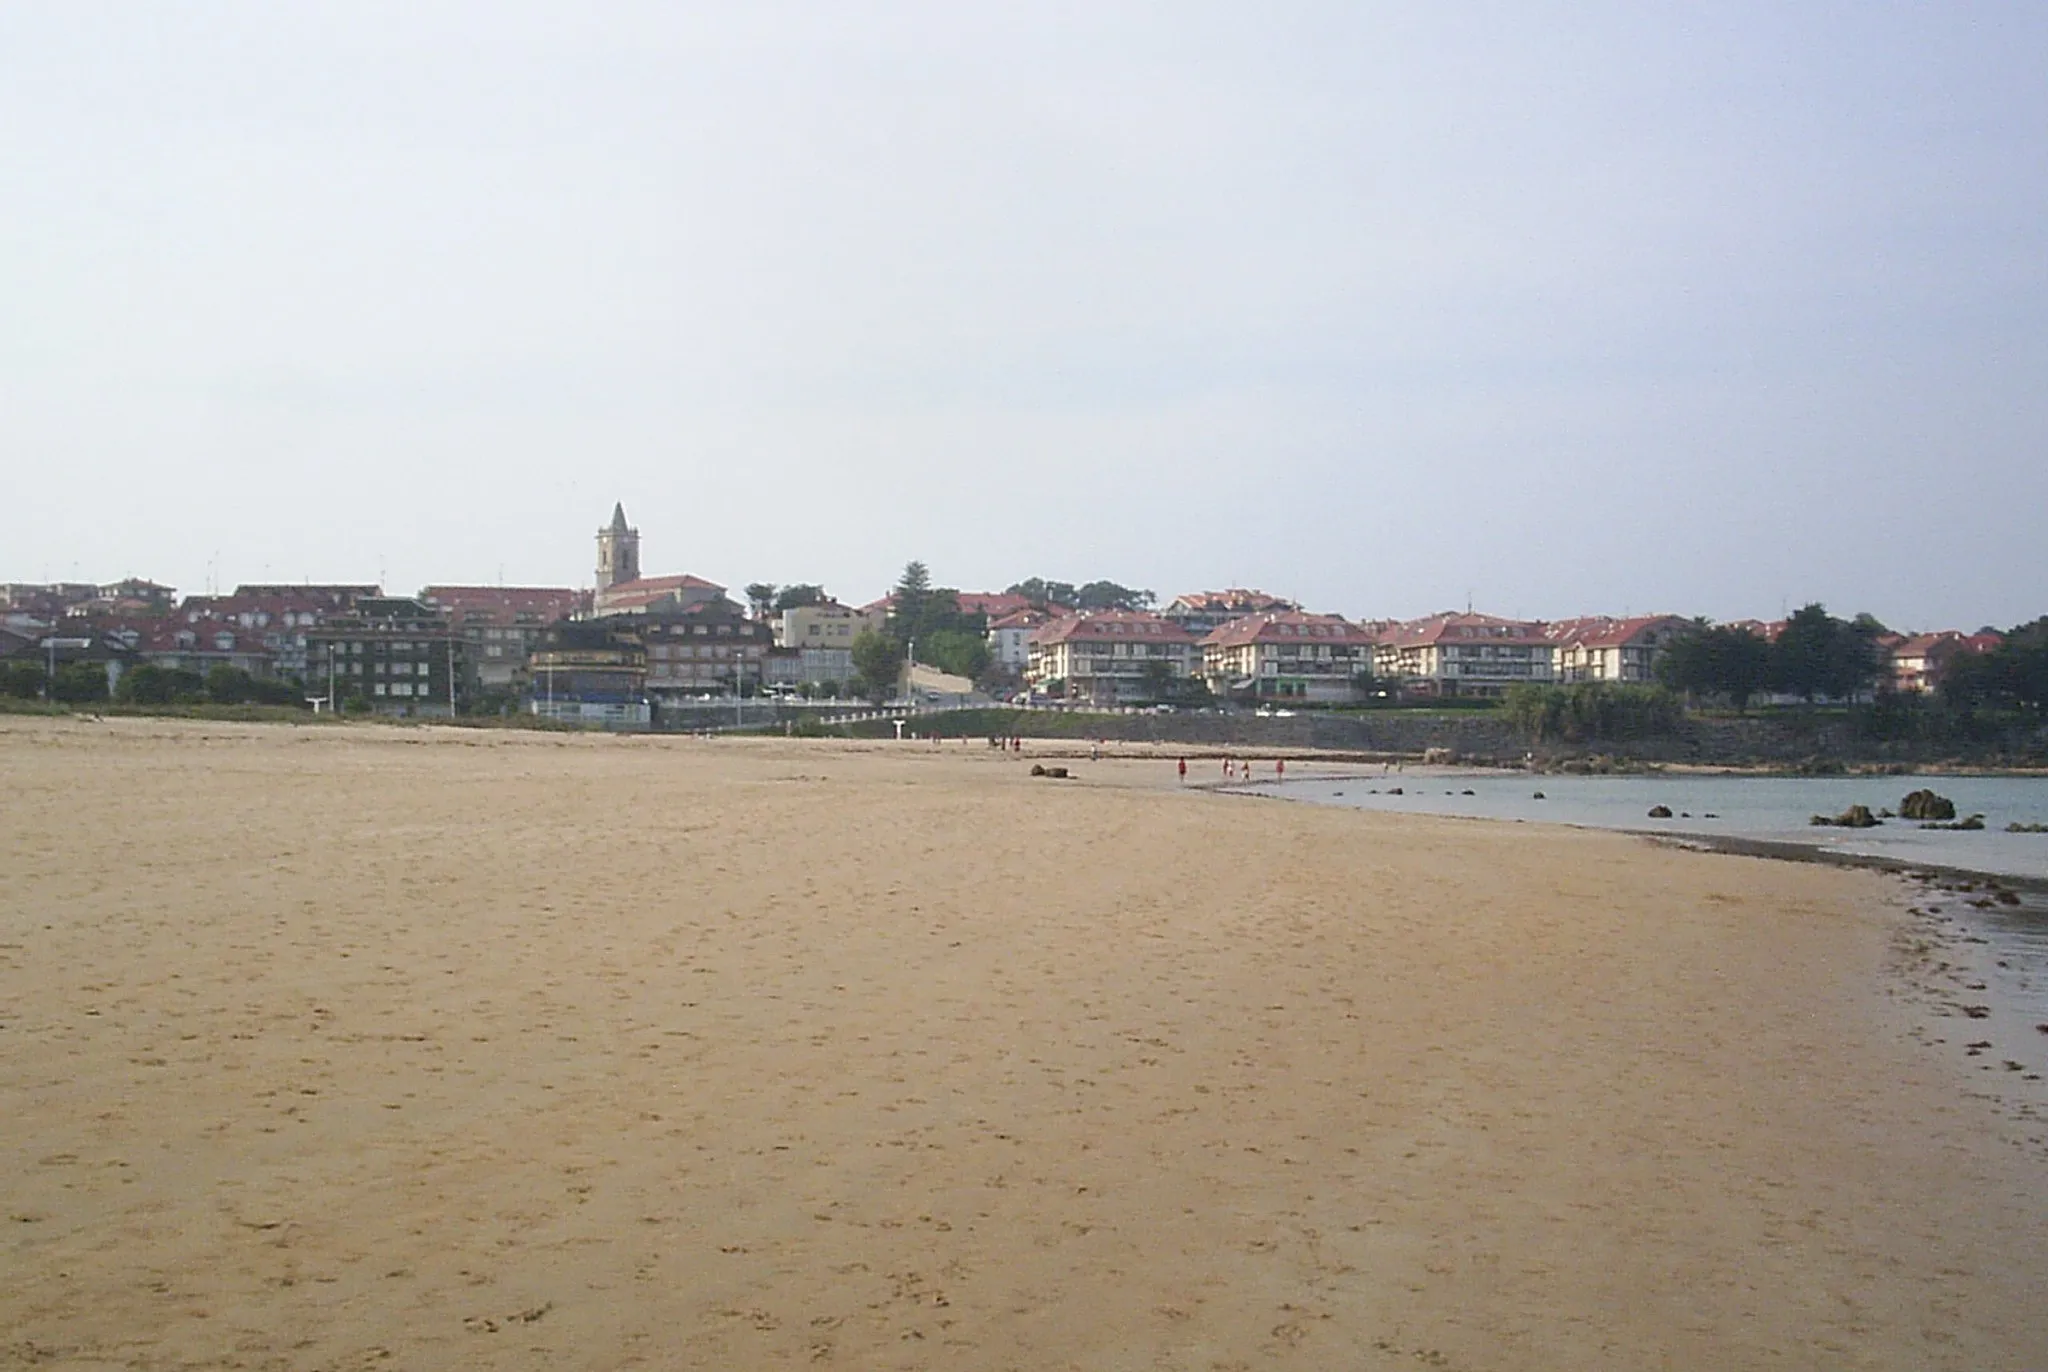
{"x":1288,"y":626}
{"x":1111,"y":626}
{"x":1236,"y":600}
{"x":504,"y":604}
{"x":648,"y":589}
{"x":199,"y":636}
{"x":1600,"y":631}
{"x":1026,"y":619}
{"x":245,"y":604}
{"x":994,"y":604}
{"x":1944,"y":640}
{"x":1422,"y":633}
{"x":665,"y":583}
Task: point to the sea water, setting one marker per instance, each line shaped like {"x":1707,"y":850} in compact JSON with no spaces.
{"x":1775,"y":809}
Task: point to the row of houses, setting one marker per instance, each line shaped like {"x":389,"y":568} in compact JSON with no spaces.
{"x":1292,"y":655}
{"x":634,"y":645}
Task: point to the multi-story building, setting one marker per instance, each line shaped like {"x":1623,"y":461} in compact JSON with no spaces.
{"x":991,"y":605}
{"x":706,"y":649}
{"x":501,"y":624}
{"x":279,"y":614}
{"x":203,"y":644}
{"x":1009,"y":638}
{"x":1467,"y":654}
{"x":590,"y":672}
{"x":1598,"y":648}
{"x":827,"y":624}
{"x":47,"y":600}
{"x":1109,"y":657}
{"x":1918,"y":662}
{"x":1200,"y":612}
{"x":830,"y":668}
{"x":136,"y":596}
{"x":393,"y":653}
{"x":1289,"y":655}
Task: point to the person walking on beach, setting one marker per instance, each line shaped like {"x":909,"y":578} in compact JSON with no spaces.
{"x":1183,"y":771}
{"x":1280,"y":769}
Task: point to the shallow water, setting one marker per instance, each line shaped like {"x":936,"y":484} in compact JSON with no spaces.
{"x":1770,"y":808}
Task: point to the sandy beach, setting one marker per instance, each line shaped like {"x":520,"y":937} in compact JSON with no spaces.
{"x":373,"y":1047}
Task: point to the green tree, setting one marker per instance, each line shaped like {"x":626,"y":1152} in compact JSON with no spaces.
{"x":911,"y":600}
{"x":1107,"y":595}
{"x":761,"y":598}
{"x":1041,"y":592}
{"x":1716,"y":660}
{"x":1742,"y":664}
{"x":1819,"y":655}
{"x":1975,"y":681}
{"x":801,"y":594}
{"x":955,"y":650}
{"x":2022,"y":664}
{"x":22,"y":680}
{"x":1589,"y":711}
{"x":227,"y":685}
{"x":877,"y":664}
{"x":80,"y":683}
{"x":150,"y":684}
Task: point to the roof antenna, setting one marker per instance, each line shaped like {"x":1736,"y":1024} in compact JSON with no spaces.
{"x":1468,"y":601}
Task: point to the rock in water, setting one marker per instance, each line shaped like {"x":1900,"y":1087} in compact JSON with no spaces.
{"x":1855,"y":817}
{"x":1926,"y":805}
{"x":1660,"y":812}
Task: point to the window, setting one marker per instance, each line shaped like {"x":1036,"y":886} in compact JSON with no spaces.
{"x":378,"y":689}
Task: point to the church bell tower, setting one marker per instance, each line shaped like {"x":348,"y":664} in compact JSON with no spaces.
{"x":618,"y":551}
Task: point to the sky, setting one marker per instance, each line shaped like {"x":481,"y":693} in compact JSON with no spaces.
{"x":1546,"y":308}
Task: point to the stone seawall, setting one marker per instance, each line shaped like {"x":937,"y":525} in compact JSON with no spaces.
{"x":1485,"y":737}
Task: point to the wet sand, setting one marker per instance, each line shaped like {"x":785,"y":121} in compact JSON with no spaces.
{"x":371,"y":1047}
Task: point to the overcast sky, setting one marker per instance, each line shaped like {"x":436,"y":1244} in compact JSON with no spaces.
{"x":1559,"y":308}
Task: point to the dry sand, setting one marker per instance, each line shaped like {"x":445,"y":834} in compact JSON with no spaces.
{"x":387,"y":1048}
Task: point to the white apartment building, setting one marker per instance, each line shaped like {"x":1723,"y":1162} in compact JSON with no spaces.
{"x":1465,"y":654}
{"x":1109,"y":657}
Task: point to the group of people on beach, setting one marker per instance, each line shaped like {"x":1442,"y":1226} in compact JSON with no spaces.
{"x":1240,"y":771}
